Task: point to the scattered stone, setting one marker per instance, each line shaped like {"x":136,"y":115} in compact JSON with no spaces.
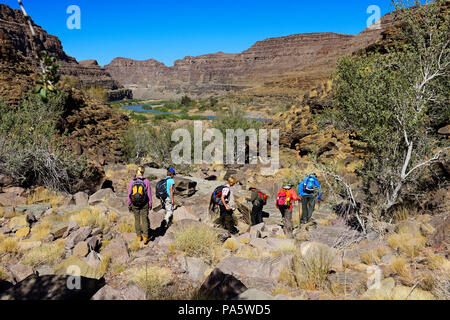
{"x":254,"y":295}
{"x":221,"y":286}
{"x":196,"y":268}
{"x":44,"y":271}
{"x":107,"y":293}
{"x":36,"y":210}
{"x":101,"y":196}
{"x":93,"y":259}
{"x":133,"y":293}
{"x":81,"y":199}
{"x":81,"y":250}
{"x":255,"y":231}
{"x":119,"y":252}
{"x":58,"y":230}
{"x":407,"y":293}
{"x":94,"y":243}
{"x":19,"y":222}
{"x":77,"y":236}
{"x":72,"y":226}
{"x":11,"y":199}
{"x":74,"y":265}
{"x":20,"y":272}
{"x":384,"y":292}
{"x":23,"y":232}
{"x":184,"y":187}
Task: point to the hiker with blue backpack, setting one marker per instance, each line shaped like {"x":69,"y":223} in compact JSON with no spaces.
{"x":140,"y":204}
{"x":165,"y":191}
{"x":308,"y":189}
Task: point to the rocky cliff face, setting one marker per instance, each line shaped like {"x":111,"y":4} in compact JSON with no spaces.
{"x":280,"y":64}
{"x":14,"y":28}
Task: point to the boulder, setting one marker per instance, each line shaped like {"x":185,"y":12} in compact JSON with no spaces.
{"x":255,"y":231}
{"x":407,"y":293}
{"x":254,"y":295}
{"x":107,"y":293}
{"x":12,"y":199}
{"x":18,"y":222}
{"x":81,"y":250}
{"x":384,"y":292}
{"x":119,"y":252}
{"x":77,"y":267}
{"x":333,"y":235}
{"x":44,"y":270}
{"x":81,"y":199}
{"x":93,"y":259}
{"x":184,"y":187}
{"x":19,"y":272}
{"x":185,"y":213}
{"x":59,"y":229}
{"x":133,"y":293}
{"x":36,"y":210}
{"x":77,"y":236}
{"x":94,"y":243}
{"x":101,"y":196}
{"x":51,"y":287}
{"x":195,"y":268}
{"x":71,"y":227}
{"x":221,"y":286}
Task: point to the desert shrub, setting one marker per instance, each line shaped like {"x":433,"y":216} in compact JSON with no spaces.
{"x":390,"y":101}
{"x":48,"y":253}
{"x":97,"y":93}
{"x":407,"y":243}
{"x":92,"y":217}
{"x":152,"y":279}
{"x":126,"y":224}
{"x":198,"y":241}
{"x":9,"y":245}
{"x":3,"y":275}
{"x":234,"y":119}
{"x":33,"y":152}
{"x":41,"y":230}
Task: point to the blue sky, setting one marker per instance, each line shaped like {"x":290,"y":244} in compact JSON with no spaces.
{"x":171,"y":29}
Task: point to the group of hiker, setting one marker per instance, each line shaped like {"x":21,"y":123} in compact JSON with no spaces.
{"x":140,"y":202}
{"x":308,"y":191}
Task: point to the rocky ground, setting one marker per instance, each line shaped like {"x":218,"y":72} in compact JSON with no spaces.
{"x":44,"y":237}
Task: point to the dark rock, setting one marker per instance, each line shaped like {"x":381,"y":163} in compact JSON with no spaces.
{"x":52,"y":287}
{"x":221,"y":286}
{"x":77,"y":236}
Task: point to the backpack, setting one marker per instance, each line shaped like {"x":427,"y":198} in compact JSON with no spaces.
{"x":262,"y":196}
{"x":308,"y":185}
{"x":217,"y":195}
{"x":161,"y":189}
{"x":139,"y":196}
{"x":283,"y":199}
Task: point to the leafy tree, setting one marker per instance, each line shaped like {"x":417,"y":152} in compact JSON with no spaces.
{"x":392,"y":100}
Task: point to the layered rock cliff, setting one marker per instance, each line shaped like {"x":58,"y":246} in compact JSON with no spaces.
{"x":14,"y":28}
{"x":284,"y":65}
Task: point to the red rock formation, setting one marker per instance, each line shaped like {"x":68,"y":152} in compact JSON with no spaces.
{"x":14,"y":28}
{"x":296,"y":61}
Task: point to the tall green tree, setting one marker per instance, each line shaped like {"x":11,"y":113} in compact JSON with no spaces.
{"x":392,"y":100}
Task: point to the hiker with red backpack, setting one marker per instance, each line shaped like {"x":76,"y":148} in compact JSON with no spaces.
{"x":307,"y":190}
{"x":140,"y":204}
{"x":221,"y":197}
{"x":285,"y":203}
{"x":258,"y":200}
{"x":165,"y":191}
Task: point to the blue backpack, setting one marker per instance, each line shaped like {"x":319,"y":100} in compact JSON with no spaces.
{"x":308,"y":185}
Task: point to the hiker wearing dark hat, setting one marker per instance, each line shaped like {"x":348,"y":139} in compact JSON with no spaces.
{"x":140,"y":204}
{"x":221,"y":197}
{"x":285,"y":203}
{"x":165,"y":190}
{"x":307,"y":190}
{"x":258,"y":200}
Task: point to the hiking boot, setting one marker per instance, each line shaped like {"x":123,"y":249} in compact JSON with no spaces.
{"x":146,"y":240}
{"x":139,"y":238}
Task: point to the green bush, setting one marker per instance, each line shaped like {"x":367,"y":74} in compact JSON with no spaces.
{"x":33,"y":151}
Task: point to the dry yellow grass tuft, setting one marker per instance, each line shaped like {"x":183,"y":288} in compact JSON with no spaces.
{"x":48,"y":253}
{"x":152,"y":279}
{"x":9,"y":245}
{"x":287,"y":248}
{"x":436,"y":262}
{"x":113,"y":217}
{"x":198,"y":241}
{"x":105,"y":263}
{"x":135,"y":245}
{"x":407,"y":243}
{"x":280,"y":290}
{"x":399,"y":265}
{"x":92,"y":217}
{"x":126,"y":224}
{"x":370,"y":257}
{"x":402,"y":213}
{"x":231,"y":244}
{"x":248,"y":252}
{"x":40,"y":231}
{"x":43,"y":195}
{"x":245,"y":240}
{"x":3,"y":274}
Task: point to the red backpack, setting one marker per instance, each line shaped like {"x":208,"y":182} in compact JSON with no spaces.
{"x":262,"y":196}
{"x":283,"y":199}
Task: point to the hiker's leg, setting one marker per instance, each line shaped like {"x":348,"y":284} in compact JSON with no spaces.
{"x":223,"y":213}
{"x":311,"y":204}
{"x":137,"y":221}
{"x":288,"y":222}
{"x":229,"y":221}
{"x":254,"y":216}
{"x":304,"y":217}
{"x":145,"y":223}
{"x":259,"y":215}
{"x":169,"y":210}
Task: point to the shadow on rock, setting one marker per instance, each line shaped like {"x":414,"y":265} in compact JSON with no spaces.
{"x":53,"y":288}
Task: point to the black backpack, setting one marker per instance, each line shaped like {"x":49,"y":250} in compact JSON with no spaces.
{"x":161,"y":189}
{"x":217,"y":195}
{"x":308,"y":187}
{"x":139,"y":196}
